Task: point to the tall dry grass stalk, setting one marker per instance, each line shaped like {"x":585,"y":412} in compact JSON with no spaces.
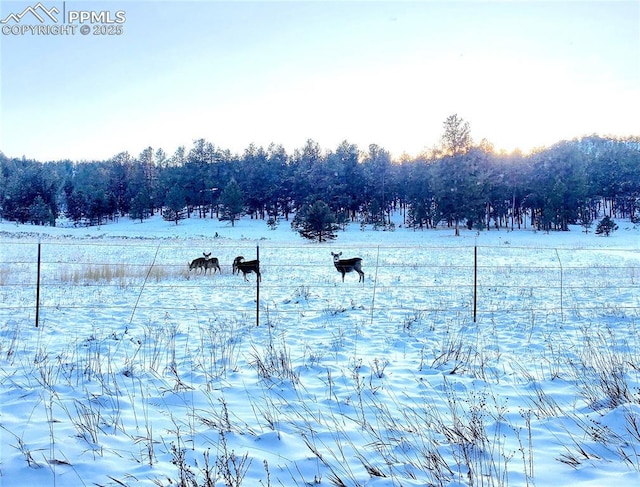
{"x":122,"y":275}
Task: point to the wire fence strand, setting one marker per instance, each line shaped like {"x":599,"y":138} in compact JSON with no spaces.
{"x":149,"y":281}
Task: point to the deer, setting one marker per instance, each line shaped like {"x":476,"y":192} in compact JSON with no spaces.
{"x":206,"y":262}
{"x":348,"y":265}
{"x":198,"y":263}
{"x":212,"y":263}
{"x":246,"y":267}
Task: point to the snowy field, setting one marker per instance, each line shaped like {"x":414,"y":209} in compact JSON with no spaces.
{"x":141,"y":372}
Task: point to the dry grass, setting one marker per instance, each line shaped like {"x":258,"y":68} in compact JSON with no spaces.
{"x":120,"y":274}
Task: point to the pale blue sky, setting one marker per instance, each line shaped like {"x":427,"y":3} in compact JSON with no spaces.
{"x":523,"y":74}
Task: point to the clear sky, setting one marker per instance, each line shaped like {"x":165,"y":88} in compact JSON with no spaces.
{"x":523,"y":74}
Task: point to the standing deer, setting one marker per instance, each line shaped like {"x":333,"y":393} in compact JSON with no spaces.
{"x":212,"y":263}
{"x":206,"y":262}
{"x":246,"y":267}
{"x":347,"y":265}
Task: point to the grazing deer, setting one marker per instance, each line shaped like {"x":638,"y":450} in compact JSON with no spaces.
{"x":206,"y":262}
{"x":347,"y":265}
{"x":246,"y":267}
{"x":198,"y":263}
{"x":212,"y":263}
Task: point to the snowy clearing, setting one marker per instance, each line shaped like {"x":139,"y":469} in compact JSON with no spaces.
{"x":142,"y":372}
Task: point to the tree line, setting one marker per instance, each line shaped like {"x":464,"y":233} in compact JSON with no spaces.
{"x":458,"y":183}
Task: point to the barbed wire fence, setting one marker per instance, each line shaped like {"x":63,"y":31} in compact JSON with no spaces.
{"x":132,"y":281}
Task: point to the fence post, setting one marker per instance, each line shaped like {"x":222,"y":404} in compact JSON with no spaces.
{"x":38,"y":288}
{"x":475,"y":282}
{"x":258,"y":286}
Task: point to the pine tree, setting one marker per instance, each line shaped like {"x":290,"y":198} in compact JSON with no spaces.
{"x":606,"y":226}
{"x":40,"y":213}
{"x":315,"y":222}
{"x":585,"y":217}
{"x":140,"y":207}
{"x":174,"y":204}
{"x":232,"y":202}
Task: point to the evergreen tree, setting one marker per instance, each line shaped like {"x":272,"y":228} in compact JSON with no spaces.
{"x":232,"y":202}
{"x":348,"y":178}
{"x":76,"y":204}
{"x":378,"y":186}
{"x":40,"y":213}
{"x":456,"y":139}
{"x":315,"y":222}
{"x":458,"y":185}
{"x":120,"y":181}
{"x":584,"y":217}
{"x":306,"y":182}
{"x":174,"y":204}
{"x":606,"y":226}
{"x":101,"y":206}
{"x":26,"y":183}
{"x":417,"y":192}
{"x":280,"y":199}
{"x":140,"y":207}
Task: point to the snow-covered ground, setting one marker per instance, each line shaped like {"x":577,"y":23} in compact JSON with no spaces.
{"x":143,"y":373}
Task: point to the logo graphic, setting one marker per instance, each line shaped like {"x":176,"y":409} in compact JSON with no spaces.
{"x":38,"y":20}
{"x":33,"y":11}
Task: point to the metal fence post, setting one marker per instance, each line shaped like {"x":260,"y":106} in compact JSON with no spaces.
{"x":38,"y":288}
{"x":475,"y":282}
{"x":258,"y":286}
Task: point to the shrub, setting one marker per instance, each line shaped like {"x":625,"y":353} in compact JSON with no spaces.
{"x":606,"y":226}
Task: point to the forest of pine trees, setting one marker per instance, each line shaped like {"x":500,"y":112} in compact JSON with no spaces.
{"x":459,"y":184}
